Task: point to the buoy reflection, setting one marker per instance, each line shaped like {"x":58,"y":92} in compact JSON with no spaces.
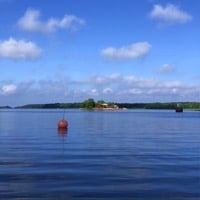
{"x":62,"y":134}
{"x":62,"y":131}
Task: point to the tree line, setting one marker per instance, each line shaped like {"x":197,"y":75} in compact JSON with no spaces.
{"x":90,"y":104}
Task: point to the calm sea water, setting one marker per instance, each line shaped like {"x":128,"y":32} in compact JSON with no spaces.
{"x":132,"y":154}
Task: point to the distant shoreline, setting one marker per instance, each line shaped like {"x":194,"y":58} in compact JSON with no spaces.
{"x":157,"y":105}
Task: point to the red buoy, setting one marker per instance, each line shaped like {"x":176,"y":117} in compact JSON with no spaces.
{"x":62,"y":124}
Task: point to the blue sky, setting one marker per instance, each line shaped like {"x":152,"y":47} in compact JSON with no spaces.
{"x":115,"y":50}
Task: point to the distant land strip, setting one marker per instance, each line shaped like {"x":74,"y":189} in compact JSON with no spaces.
{"x":156,"y":105}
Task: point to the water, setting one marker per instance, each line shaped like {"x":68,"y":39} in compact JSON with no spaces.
{"x":133,"y":154}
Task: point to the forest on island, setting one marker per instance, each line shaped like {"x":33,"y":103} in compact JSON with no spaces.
{"x":91,"y":104}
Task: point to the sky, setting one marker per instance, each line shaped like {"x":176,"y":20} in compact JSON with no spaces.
{"x":126,"y":51}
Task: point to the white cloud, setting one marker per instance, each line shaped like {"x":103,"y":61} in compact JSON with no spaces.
{"x":132,"y":51}
{"x":31,"y":22}
{"x":93,"y":92}
{"x":166,"y":68}
{"x":130,"y":79}
{"x":114,"y":76}
{"x":19,"y":49}
{"x":8,"y":89}
{"x":121,"y":89}
{"x":141,"y":82}
{"x":170,"y":14}
{"x":135,"y":91}
{"x":103,"y":79}
{"x":107,"y":91}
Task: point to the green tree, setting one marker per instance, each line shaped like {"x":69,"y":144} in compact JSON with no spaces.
{"x":88,"y":104}
{"x":101,"y":102}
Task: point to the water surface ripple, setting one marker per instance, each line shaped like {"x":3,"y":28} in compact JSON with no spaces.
{"x":133,"y":154}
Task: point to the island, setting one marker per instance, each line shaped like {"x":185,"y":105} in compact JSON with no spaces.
{"x":91,"y":104}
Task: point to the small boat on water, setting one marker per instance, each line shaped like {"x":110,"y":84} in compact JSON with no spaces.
{"x":179,"y":108}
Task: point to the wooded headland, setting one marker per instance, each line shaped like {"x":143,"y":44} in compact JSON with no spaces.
{"x":91,"y":104}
